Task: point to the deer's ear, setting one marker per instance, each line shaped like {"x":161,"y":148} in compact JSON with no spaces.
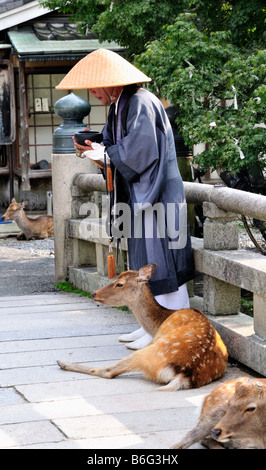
{"x":24,"y":203}
{"x":146,"y":272}
{"x":13,"y":200}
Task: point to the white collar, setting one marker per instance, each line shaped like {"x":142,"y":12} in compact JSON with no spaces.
{"x":117,"y":101}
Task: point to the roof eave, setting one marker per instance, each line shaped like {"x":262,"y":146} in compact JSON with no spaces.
{"x":22,"y":14}
{"x":52,"y":57}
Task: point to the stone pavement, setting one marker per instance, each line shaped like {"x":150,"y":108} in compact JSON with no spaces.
{"x":44,"y":407}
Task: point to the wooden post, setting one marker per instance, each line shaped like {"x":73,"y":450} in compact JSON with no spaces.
{"x":24,"y":126}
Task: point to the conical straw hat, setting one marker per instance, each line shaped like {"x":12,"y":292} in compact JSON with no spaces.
{"x":99,"y":69}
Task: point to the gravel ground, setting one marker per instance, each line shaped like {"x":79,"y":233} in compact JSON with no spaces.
{"x":27,"y":267}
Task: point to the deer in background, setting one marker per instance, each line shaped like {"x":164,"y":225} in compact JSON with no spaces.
{"x":186,"y":350}
{"x":233,"y":416}
{"x":38,"y":227}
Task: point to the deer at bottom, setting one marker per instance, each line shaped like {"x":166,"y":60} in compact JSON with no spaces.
{"x":233,"y":416}
{"x":186,"y":350}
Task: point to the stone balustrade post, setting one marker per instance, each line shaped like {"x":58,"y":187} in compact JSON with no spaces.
{"x":259,"y":314}
{"x":67,"y":251}
{"x":220,"y":232}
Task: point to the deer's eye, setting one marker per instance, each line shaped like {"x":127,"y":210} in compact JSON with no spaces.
{"x":119,"y":285}
{"x":250,"y":409}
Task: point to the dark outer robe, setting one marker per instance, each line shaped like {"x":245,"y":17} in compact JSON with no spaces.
{"x":147,"y":172}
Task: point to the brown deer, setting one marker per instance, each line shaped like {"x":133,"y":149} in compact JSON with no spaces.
{"x":38,"y":227}
{"x":233,"y":416}
{"x":186,"y":351}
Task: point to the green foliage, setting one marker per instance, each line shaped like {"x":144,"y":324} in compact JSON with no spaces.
{"x":68,"y":287}
{"x":244,"y":18}
{"x":201,"y":73}
{"x":246,"y":307}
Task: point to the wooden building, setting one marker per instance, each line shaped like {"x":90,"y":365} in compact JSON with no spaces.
{"x":37,"y":48}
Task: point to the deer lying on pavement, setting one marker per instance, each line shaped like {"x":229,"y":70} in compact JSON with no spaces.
{"x":38,"y":227}
{"x":233,"y":416}
{"x":186,"y":350}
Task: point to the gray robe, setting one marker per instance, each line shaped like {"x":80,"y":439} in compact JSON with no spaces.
{"x":149,"y":181}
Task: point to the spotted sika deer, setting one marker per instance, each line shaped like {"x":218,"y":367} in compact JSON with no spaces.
{"x":186,"y":351}
{"x":233,"y":416}
{"x":38,"y":227}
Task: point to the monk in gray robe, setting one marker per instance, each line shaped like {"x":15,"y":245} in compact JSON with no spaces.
{"x":139,"y":145}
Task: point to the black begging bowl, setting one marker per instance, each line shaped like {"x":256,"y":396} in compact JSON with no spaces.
{"x":93,"y":136}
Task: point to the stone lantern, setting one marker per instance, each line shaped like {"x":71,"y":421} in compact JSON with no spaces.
{"x":72,"y":109}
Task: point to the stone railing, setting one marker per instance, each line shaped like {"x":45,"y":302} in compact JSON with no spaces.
{"x":81,"y":249}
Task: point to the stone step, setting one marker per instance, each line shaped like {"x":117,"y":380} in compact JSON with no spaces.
{"x":87,"y":278}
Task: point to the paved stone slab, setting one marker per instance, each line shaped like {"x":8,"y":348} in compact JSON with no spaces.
{"x":66,"y":331}
{"x":44,"y":358}
{"x":57,"y":343}
{"x":41,"y":299}
{"x":46,"y":308}
{"x":28,"y":433}
{"x":153,"y":440}
{"x":9,"y":396}
{"x":88,"y":406}
{"x":122,"y":423}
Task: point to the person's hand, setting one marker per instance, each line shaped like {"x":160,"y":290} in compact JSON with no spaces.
{"x":97,"y":154}
{"x":89,"y":146}
{"x":80,"y":149}
{"x":83,"y":147}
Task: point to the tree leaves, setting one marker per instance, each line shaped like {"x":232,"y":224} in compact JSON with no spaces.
{"x":207,"y":77}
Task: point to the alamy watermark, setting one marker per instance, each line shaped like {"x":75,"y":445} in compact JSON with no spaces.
{"x":143,"y":220}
